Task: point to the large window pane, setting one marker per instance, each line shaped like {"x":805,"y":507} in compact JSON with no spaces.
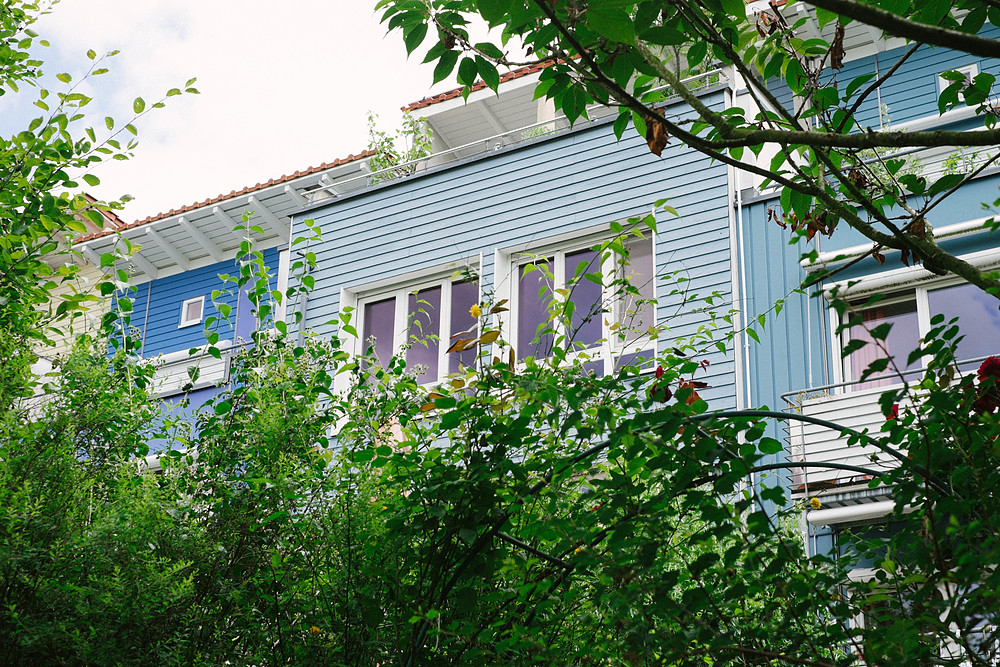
{"x":636,"y":312}
{"x":379,"y":324}
{"x":534,"y":292}
{"x":903,"y":338}
{"x":586,"y":295}
{"x":464,"y":295}
{"x":978,"y":319}
{"x":424,"y":338}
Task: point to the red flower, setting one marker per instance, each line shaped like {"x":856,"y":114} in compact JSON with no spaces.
{"x":989,"y":386}
{"x":990,"y":368}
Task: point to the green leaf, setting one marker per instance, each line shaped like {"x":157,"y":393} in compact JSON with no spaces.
{"x":138,"y":105}
{"x":414,"y":37}
{"x":488,"y":73}
{"x":91,"y":180}
{"x":611,"y":22}
{"x":445,"y":65}
{"x":769,"y":446}
{"x":494,"y":10}
{"x":467,"y":72}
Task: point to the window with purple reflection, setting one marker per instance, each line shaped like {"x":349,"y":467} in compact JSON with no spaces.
{"x":424,"y":337}
{"x":464,"y":295}
{"x":586,"y":296}
{"x":534,"y":292}
{"x":636,"y":310}
{"x":379,"y":324}
{"x":903,"y":338}
{"x":978,"y":320}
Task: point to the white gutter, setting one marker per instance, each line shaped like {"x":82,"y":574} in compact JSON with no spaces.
{"x":835,"y":257}
{"x":852,"y":513}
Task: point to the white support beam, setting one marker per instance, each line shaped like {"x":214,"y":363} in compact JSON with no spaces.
{"x":172,"y":251}
{"x":278,"y":227}
{"x":144,"y":264}
{"x":296,"y":196}
{"x":491,"y":118}
{"x":437,"y":134}
{"x":327,"y":182}
{"x":91,"y":255}
{"x":209,"y":246}
{"x":876,"y":36}
{"x":229,"y":222}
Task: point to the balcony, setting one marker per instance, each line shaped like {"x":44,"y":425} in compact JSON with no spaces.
{"x":846,"y":405}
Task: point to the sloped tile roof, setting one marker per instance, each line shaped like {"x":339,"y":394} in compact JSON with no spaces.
{"x":479,"y":85}
{"x":235,"y":193}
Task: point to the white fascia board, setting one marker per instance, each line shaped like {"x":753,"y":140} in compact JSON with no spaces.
{"x":835,"y":257}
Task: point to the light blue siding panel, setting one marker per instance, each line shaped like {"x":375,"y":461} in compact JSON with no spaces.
{"x":576,"y":181}
{"x":791,"y":354}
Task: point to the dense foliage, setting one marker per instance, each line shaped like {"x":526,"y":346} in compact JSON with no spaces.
{"x":520,"y":514}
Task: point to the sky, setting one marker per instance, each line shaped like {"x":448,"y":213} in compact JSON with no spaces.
{"x":283,"y":86}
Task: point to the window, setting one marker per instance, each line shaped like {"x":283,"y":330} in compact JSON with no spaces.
{"x":421,"y":319}
{"x":910,"y":313}
{"x":192,"y":311}
{"x":575,"y":296}
{"x":967,"y":73}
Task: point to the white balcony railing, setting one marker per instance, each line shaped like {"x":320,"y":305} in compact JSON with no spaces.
{"x":858,"y":410}
{"x":488,"y":145}
{"x":172,"y":370}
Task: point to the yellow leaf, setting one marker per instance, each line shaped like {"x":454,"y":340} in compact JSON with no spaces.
{"x":489,"y":337}
{"x":426,"y":407}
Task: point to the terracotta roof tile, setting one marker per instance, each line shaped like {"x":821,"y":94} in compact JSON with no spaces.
{"x":120,"y":226}
{"x":479,"y":85}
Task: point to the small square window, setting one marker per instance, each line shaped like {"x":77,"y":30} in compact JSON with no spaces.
{"x":968,"y":72}
{"x":192,"y":311}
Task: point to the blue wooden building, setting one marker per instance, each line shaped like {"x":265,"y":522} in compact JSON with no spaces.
{"x":511,"y":186}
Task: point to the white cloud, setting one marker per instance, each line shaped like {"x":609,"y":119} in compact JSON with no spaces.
{"x":283,"y":86}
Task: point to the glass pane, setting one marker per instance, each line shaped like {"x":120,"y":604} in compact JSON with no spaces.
{"x":587,"y":298}
{"x":193,"y":311}
{"x":636,"y":313}
{"x":643,"y":360}
{"x":378,"y":324}
{"x":978,"y":319}
{"x":424,"y":338}
{"x":903,"y":338}
{"x":463,"y":297}
{"x":534,"y":292}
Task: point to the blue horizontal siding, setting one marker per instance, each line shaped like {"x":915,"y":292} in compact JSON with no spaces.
{"x":575,"y":181}
{"x":158,"y":324}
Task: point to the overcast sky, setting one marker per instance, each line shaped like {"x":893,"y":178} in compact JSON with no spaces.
{"x":284,"y":86}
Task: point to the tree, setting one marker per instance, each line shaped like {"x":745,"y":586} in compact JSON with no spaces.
{"x":832,"y":169}
{"x":41,"y":205}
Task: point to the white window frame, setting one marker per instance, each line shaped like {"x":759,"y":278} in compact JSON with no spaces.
{"x":611,"y":347}
{"x":184,"y":309}
{"x":899,"y":285}
{"x":971,"y":71}
{"x":399,"y":288}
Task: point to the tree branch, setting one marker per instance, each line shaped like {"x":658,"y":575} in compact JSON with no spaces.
{"x":918,"y":32}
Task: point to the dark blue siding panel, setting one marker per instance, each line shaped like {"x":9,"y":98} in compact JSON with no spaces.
{"x":575,"y":181}
{"x":160,"y":322}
